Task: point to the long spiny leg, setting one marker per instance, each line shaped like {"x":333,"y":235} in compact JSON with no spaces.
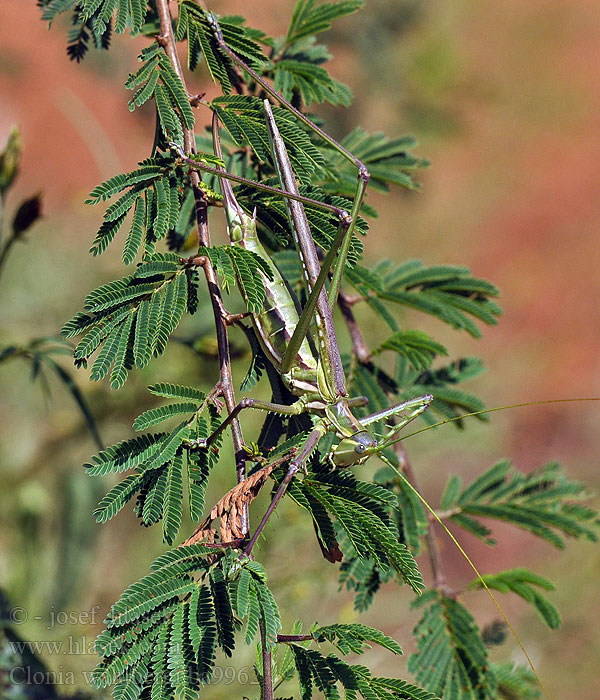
{"x":298,"y":463}
{"x":405,"y":412}
{"x":196,"y":164}
{"x":316,"y":275}
{"x":412,"y":407}
{"x":363,"y":173}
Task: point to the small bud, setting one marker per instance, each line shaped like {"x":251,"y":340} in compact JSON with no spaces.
{"x":9,"y":159}
{"x":27,"y":214}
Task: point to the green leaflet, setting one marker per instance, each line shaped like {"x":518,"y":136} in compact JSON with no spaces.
{"x":324,"y":673}
{"x":417,"y":347}
{"x":447,"y":292}
{"x":451,"y":660}
{"x":117,"y":497}
{"x":310,"y":17}
{"x":194,"y":23}
{"x":172,"y":499}
{"x":243,"y":117}
{"x":130,"y":14}
{"x":157,"y":415}
{"x":232,"y":262}
{"x":223,"y":611}
{"x":354,"y":638}
{"x":369,"y":534}
{"x":522,"y":582}
{"x":312,"y":82}
{"x":131,"y":318}
{"x":541,"y":502}
{"x":516,"y":682}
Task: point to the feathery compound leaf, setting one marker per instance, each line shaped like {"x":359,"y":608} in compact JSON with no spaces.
{"x":451,"y":660}
{"x":117,"y":497}
{"x":176,"y":391}
{"x":123,"y":358}
{"x":312,"y":82}
{"x":540,"y":502}
{"x":369,"y":534}
{"x":153,"y":416}
{"x":248,"y":267}
{"x":354,"y":638}
{"x":178,"y":671}
{"x":136,"y":232}
{"x":365,"y":577}
{"x":149,"y":170}
{"x":447,"y":292}
{"x":178,"y":94}
{"x":271,"y":620}
{"x":250,"y":270}
{"x":310,"y":17}
{"x":516,"y":682}
{"x":243,"y":117}
{"x":173,"y":496}
{"x":167,"y":116}
{"x":389,"y":161}
{"x":223,"y":611}
{"x":124,"y":455}
{"x":522,"y":581}
{"x":417,"y":347}
{"x":163,"y":208}
{"x":169,"y":446}
{"x":200,"y":29}
{"x":152,"y":506}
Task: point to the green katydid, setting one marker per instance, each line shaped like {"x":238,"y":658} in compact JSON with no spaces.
{"x":318,"y":380}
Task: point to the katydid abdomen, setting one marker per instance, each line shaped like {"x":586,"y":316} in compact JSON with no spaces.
{"x":275,"y":322}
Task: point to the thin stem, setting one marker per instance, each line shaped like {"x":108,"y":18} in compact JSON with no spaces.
{"x":435,"y":556}
{"x":201,"y":208}
{"x":285,"y":638}
{"x":267,"y":663}
{"x":359,"y":346}
{"x":5,"y":250}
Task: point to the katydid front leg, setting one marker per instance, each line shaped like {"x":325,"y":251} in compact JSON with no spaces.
{"x":294,"y":409}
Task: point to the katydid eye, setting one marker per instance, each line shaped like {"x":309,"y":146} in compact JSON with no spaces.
{"x":360,"y":449}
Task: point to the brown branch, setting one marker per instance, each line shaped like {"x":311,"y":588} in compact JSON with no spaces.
{"x":284,"y":638}
{"x":201,"y":207}
{"x":267,"y":663}
{"x":359,"y":346}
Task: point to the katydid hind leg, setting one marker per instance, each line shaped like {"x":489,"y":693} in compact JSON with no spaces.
{"x":331,"y":360}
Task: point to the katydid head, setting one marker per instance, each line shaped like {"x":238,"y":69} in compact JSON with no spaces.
{"x":357,"y":446}
{"x":354,"y":449}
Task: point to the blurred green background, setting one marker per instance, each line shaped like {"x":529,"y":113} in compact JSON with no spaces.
{"x":504,"y":99}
